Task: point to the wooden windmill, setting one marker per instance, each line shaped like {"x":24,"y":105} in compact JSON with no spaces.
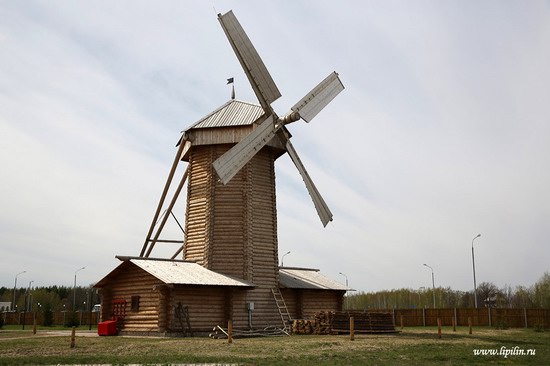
{"x":231,"y":216}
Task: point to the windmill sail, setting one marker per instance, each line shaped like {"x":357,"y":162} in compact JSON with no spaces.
{"x":267,"y":92}
{"x":235,"y":158}
{"x":319,"y":97}
{"x":260,"y":79}
{"x":320,"y":205}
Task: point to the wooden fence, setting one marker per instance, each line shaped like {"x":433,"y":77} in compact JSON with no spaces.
{"x":59,"y":318}
{"x":496,"y":317}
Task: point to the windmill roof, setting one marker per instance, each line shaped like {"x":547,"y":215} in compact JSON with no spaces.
{"x":233,"y":113}
{"x":305,"y":278}
{"x":175,"y":272}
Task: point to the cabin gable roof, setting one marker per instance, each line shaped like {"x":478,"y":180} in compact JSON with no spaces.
{"x":175,"y":272}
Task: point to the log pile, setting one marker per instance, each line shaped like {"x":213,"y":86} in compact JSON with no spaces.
{"x":321,"y":324}
{"x":331,"y":322}
{"x":302,"y":326}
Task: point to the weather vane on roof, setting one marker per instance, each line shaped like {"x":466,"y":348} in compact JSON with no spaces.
{"x":232,"y":82}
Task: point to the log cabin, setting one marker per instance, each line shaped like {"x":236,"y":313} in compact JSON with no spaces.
{"x":152,"y":289}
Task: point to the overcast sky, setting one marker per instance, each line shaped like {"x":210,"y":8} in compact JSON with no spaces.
{"x":441,"y":133}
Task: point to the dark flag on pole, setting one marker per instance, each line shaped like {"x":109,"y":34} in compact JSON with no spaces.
{"x":231,"y":81}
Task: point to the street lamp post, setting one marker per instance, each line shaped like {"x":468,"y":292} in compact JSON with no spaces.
{"x":29,"y":294}
{"x":346,"y":299}
{"x":433,"y":282}
{"x":14,"y":288}
{"x":474,"y":268}
{"x":283,"y":258}
{"x":74,"y":287}
{"x":346,"y":279}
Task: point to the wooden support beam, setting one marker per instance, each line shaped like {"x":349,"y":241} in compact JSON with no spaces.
{"x":177,"y":159}
{"x":170,"y":207}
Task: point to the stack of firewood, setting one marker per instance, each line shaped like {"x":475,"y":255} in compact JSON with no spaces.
{"x":320,"y":324}
{"x":303,"y":326}
{"x":323,"y":322}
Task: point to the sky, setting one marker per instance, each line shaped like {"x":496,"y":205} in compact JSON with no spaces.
{"x":442,"y":133}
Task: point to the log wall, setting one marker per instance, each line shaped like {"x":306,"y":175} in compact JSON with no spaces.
{"x":206,"y":306}
{"x":232,"y":229}
{"x":303,"y":304}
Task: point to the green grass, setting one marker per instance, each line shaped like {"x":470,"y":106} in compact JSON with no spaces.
{"x":413,"y":346}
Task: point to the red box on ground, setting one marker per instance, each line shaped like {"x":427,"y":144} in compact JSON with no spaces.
{"x":107,"y":328}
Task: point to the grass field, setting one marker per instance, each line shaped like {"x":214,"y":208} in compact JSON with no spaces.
{"x":414,"y":346}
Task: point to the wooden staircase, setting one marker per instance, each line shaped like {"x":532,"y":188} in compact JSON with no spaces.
{"x":283,"y":310}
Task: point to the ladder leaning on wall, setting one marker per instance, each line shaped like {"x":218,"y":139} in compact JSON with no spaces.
{"x":283,"y":310}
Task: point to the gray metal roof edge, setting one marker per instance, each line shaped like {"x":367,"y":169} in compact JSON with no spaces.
{"x":311,"y":281}
{"x":125,"y":258}
{"x":301,"y":269}
{"x":248,"y":283}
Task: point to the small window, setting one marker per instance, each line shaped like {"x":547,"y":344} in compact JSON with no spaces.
{"x":135,"y":303}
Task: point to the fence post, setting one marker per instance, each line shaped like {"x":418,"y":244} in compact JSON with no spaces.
{"x":393,"y":316}
{"x":439,"y":328}
{"x":401,"y":318}
{"x":489,"y":314}
{"x":351,"y":328}
{"x":456,"y":320}
{"x":470,"y":325}
{"x":454,"y":324}
{"x":424,"y":316}
{"x":229,"y":331}
{"x":525,"y":316}
{"x":73,"y":337}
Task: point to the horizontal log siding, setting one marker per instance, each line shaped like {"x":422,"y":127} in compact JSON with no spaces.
{"x":293,"y":303}
{"x":263,"y":220}
{"x":226,"y":135}
{"x":197,"y":222}
{"x":228,"y":243}
{"x":206,"y":307}
{"x":265,"y":312}
{"x":314,"y":301}
{"x":133,"y":281}
{"x":232,"y":229}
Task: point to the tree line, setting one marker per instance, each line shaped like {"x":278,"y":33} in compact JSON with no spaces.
{"x":51,"y":298}
{"x":488,"y":294}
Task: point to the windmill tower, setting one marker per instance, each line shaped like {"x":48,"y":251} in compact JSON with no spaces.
{"x":231,"y":215}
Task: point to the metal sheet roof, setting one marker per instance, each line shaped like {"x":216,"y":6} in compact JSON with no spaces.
{"x":186,"y":273}
{"x":232,"y":113}
{"x":174,"y":272}
{"x":303,"y":278}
